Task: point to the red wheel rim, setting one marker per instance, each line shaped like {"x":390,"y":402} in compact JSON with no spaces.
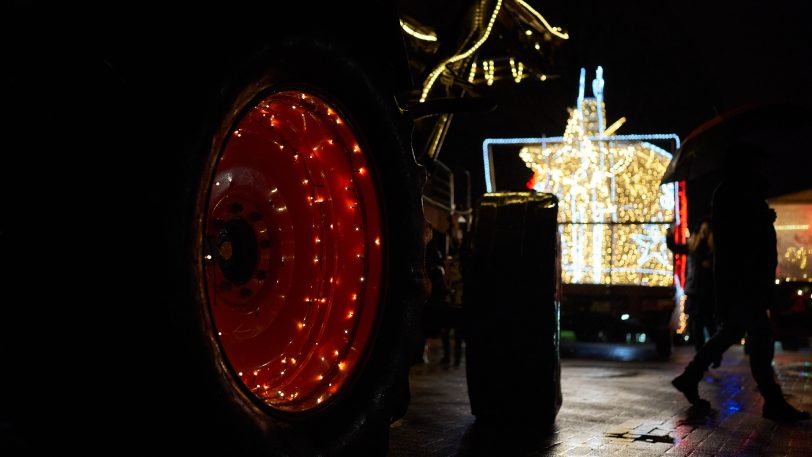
{"x":293,"y":251}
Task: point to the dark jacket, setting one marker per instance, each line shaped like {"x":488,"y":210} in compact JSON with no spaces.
{"x":745,"y":255}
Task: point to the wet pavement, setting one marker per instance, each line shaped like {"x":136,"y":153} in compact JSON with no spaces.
{"x":624,"y":407}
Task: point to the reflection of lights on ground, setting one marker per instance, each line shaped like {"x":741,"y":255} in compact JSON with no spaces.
{"x":732,"y":406}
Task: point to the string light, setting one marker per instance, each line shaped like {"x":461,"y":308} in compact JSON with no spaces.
{"x":490,"y":70}
{"x":427,"y":85}
{"x":615,"y":125}
{"x":516,"y":70}
{"x":683,"y":316}
{"x":554,"y":30}
{"x":411,"y":30}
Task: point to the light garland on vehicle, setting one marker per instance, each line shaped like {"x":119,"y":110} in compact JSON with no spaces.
{"x":427,"y":85}
{"x":613,"y":214}
{"x":431,"y":36}
{"x":554,"y":30}
{"x":295,"y":328}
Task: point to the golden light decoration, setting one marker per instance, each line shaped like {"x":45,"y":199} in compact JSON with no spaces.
{"x":613,"y":213}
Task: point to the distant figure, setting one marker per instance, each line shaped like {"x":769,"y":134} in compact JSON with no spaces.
{"x":453,"y":318}
{"x":745,"y":260}
{"x":700,"y":305}
{"x":435,"y":308}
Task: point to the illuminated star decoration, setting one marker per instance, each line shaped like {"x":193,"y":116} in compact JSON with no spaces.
{"x":651,"y":246}
{"x":613,"y":213}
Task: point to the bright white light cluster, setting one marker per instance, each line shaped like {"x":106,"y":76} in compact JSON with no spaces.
{"x":613,"y":213}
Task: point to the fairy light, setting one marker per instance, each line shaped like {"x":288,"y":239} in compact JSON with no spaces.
{"x":472,"y":73}
{"x":613,"y":213}
{"x":682,"y":326}
{"x":411,"y":30}
{"x":554,"y":30}
{"x":615,"y":125}
{"x":516,"y":70}
{"x":490,"y":69}
{"x":792,"y":227}
{"x":799,"y":255}
{"x":430,"y":80}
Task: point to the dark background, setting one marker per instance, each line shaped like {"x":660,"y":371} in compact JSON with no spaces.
{"x":668,"y":67}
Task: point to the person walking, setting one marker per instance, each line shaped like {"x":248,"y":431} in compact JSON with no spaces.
{"x":745,"y":260}
{"x":700,"y":303}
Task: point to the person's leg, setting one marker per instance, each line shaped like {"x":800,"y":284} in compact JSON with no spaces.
{"x":688,"y":381}
{"x":710,"y":323}
{"x":762,"y":350}
{"x":444,"y":333}
{"x":697,"y":330}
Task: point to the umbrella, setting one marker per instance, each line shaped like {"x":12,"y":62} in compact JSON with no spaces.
{"x":782,"y":131}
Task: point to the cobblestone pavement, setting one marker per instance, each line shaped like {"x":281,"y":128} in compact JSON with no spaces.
{"x":624,"y":408}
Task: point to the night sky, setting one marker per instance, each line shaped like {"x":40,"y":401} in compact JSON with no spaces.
{"x":668,"y":67}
